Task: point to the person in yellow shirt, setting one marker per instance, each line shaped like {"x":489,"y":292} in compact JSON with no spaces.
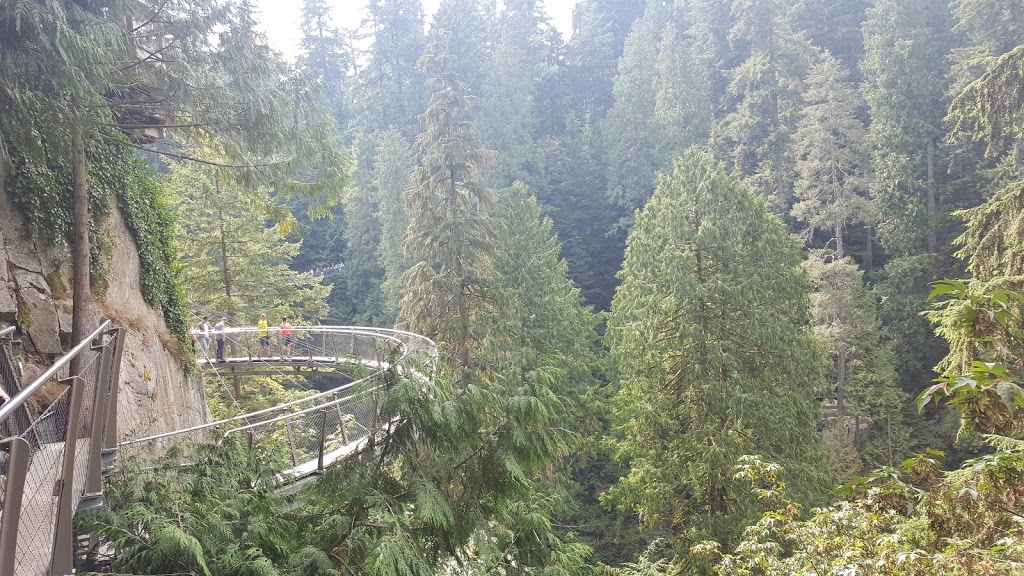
{"x":264,"y":336}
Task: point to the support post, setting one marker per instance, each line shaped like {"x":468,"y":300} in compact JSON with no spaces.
{"x":94,"y":467}
{"x":341,"y":423}
{"x":14,"y":491}
{"x":291,"y":441}
{"x":376,"y":412}
{"x":63,"y":544}
{"x":118,"y":336}
{"x":323,"y":440}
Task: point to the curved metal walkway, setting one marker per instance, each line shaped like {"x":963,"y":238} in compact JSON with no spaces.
{"x":52,"y":462}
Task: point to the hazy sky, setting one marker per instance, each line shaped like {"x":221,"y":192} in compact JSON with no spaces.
{"x":280,"y":18}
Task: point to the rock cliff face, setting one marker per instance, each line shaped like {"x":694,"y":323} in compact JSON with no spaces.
{"x":156,"y":394}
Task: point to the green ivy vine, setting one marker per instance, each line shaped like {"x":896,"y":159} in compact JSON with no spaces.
{"x":43,"y":192}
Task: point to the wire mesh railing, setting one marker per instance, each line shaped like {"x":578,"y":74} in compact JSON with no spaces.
{"x":315,"y":431}
{"x":54,"y":465}
{"x":10,"y":382}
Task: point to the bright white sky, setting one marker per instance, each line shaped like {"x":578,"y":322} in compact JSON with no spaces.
{"x":280,"y":19}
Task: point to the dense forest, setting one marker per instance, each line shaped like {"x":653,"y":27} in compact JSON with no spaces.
{"x":722,"y":286}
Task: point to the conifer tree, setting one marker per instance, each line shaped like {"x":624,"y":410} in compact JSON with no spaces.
{"x":831,"y":157}
{"x":231,"y":259}
{"x":508,"y":117}
{"x":393,"y":167}
{"x":906,"y":72}
{"x":324,"y":48}
{"x":451,"y":236}
{"x":363,"y":271}
{"x":662,"y":104}
{"x":764,"y":97}
{"x":683,"y":107}
{"x":390,"y":89}
{"x":328,"y":57}
{"x":583,"y":215}
{"x":629,"y":127}
{"x":590,"y":56}
{"x":469,"y":24}
{"x":709,"y":330}
{"x":906,"y":76}
{"x":863,"y":365}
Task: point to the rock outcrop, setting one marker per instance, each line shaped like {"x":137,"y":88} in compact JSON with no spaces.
{"x":35,"y":294}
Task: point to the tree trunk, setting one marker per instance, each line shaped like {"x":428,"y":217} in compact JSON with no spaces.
{"x":932,"y":220}
{"x":80,"y":231}
{"x":839,"y":241}
{"x":869,"y":250}
{"x":841,"y":379}
{"x":225,"y":270}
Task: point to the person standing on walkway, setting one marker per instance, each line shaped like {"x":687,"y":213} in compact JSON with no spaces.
{"x":218,"y":329}
{"x":264,"y":336}
{"x":286,"y":337}
{"x":204,"y":336}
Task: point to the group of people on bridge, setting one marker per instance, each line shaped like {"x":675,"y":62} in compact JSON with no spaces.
{"x":202,"y":333}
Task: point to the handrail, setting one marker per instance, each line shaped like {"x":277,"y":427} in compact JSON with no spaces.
{"x":247,"y":415}
{"x":303,"y":411}
{"x":9,"y":407}
{"x":386,"y":334}
{"x":7,"y":331}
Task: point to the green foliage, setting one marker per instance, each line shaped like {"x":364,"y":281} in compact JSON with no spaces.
{"x":911,"y":522}
{"x":831,"y":158}
{"x":990,"y":107}
{"x":662,"y":105}
{"x":231,"y":259}
{"x":218,"y":515}
{"x":709,"y":330}
{"x":863,"y":365}
{"x":906,"y":76}
{"x":151,"y":222}
{"x":763,"y":97}
{"x":451,"y":238}
{"x":392,"y":181}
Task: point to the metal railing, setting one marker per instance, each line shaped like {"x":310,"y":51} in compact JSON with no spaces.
{"x":10,"y":380}
{"x":315,"y":431}
{"x":53,"y":453}
{"x":55,"y":457}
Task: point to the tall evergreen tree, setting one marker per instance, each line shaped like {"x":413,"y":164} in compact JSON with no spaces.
{"x":906,"y":73}
{"x":831,"y":155}
{"x":628,"y":129}
{"x":231,"y":259}
{"x":833,"y":26}
{"x":584,"y":218}
{"x":709,"y":330}
{"x":393,"y":167}
{"x":508,"y":117}
{"x":662,"y":104}
{"x":764,"y":97}
{"x":863,"y":367}
{"x":323,"y":44}
{"x":390,"y":88}
{"x":469,"y":24}
{"x":451,"y":236}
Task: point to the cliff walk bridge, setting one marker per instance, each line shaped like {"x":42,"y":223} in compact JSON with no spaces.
{"x":53,"y":457}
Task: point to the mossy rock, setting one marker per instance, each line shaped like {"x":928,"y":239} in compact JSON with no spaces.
{"x":58,"y":289}
{"x":24,"y":315}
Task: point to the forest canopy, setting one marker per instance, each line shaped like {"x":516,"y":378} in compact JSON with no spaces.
{"x":688,"y":267}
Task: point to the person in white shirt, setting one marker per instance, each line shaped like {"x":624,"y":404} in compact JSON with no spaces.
{"x":204,"y":336}
{"x":218,"y":330}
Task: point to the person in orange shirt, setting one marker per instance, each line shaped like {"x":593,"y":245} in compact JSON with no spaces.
{"x":286,"y":337}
